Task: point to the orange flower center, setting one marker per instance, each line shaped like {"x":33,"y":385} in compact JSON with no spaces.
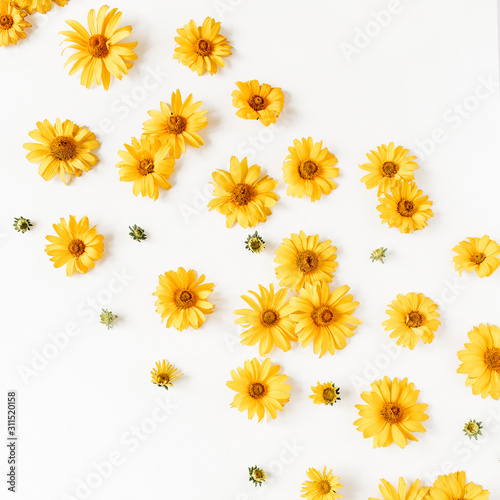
{"x":329,"y":394}
{"x":63,"y":148}
{"x":184,"y":299}
{"x":76,"y":248}
{"x":269,"y":318}
{"x":176,"y":124}
{"x":98,"y":46}
{"x":389,"y":169}
{"x":204,"y":47}
{"x":6,"y":21}
{"x":324,"y":487}
{"x":492,"y":359}
{"x":163,"y":378}
{"x":146,"y":166}
{"x":307,"y":261}
{"x":414,"y":319}
{"x":406,"y":208}
{"x":242,"y":194}
{"x":322,"y":315}
{"x":308,"y":170}
{"x":257,"y":102}
{"x":257,"y":390}
{"x":477,"y":258}
{"x":392,"y":413}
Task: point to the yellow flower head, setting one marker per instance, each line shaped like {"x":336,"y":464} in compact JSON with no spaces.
{"x":258,"y":102}
{"x":477,"y":254}
{"x":392,"y":414}
{"x":324,"y":317}
{"x":202,"y":47}
{"x":146,"y":163}
{"x":481,"y":361}
{"x":325,"y":394}
{"x":75,"y":245}
{"x":100,"y":52}
{"x":12,"y":23}
{"x":164,"y":374}
{"x":405,"y":207}
{"x":177,"y":126}
{"x":308,"y":169}
{"x":242,"y":195}
{"x":453,"y":486}
{"x":63,"y":148}
{"x":267,"y":321}
{"x":303,"y":259}
{"x":412,"y":317}
{"x":414,"y":492}
{"x":322,"y":485}
{"x":183,"y":299}
{"x":260,"y":389}
{"x":42,"y":6}
{"x":388,"y":167}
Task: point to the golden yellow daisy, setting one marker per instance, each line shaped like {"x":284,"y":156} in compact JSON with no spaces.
{"x":267,"y":321}
{"x":405,"y":207}
{"x":392,"y":413}
{"x":12,"y":23}
{"x":202,"y":47}
{"x":304,"y":259}
{"x":477,"y":254}
{"x":99,"y":54}
{"x":324,"y":318}
{"x":258,"y":102}
{"x":42,"y":6}
{"x":164,"y":374}
{"x":146,"y":163}
{"x":183,"y":299}
{"x":75,"y":245}
{"x":481,"y":361}
{"x":178,"y":126}
{"x":454,"y":487}
{"x":412,"y":317}
{"x":322,"y":485}
{"x":63,"y":148}
{"x":325,"y":394}
{"x":242,"y":195}
{"x":388,"y":167}
{"x":389,"y":492}
{"x":308,"y":169}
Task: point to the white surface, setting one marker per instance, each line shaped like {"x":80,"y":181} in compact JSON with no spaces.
{"x":402,"y":86}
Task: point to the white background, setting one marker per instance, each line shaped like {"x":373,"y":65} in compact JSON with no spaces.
{"x":407,"y":81}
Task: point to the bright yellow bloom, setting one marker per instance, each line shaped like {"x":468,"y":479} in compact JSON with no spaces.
{"x":242,"y":195}
{"x":388,"y":167}
{"x":322,"y":485}
{"x":164,"y":374}
{"x":63,"y":148}
{"x":42,"y":6}
{"x":75,"y":245}
{"x":202,"y":47}
{"x":303,"y":259}
{"x":389,"y":492}
{"x":392,"y":413}
{"x":308,"y":169}
{"x":481,"y":361}
{"x":412,"y":317}
{"x":183,"y":299}
{"x":12,"y":23}
{"x":258,"y":102}
{"x":324,"y":318}
{"x":453,"y":486}
{"x":477,"y":254}
{"x":178,"y":126}
{"x":268,"y":320}
{"x":146,"y":163}
{"x":325,"y":394}
{"x":260,"y":390}
{"x":99,"y":52}
{"x":405,"y":208}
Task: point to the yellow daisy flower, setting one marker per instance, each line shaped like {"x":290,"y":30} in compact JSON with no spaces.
{"x":178,"y":126}
{"x":99,"y":52}
{"x":242,"y":195}
{"x":303,"y":259}
{"x":405,"y":208}
{"x":42,"y":6}
{"x":183,"y":299}
{"x":164,"y":374}
{"x":481,"y":361}
{"x":392,"y":413}
{"x":12,"y":23}
{"x":308,"y":169}
{"x":258,"y":102}
{"x":146,"y":163}
{"x":389,"y":492}
{"x":477,"y":254}
{"x":260,"y":390}
{"x":453,"y":486}
{"x":324,"y":318}
{"x":75,"y":245}
{"x":388,"y":167}
{"x":412,"y":317}
{"x":322,"y":485}
{"x":202,"y":47}
{"x":63,"y":148}
{"x":325,"y":394}
{"x":268,"y":320}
